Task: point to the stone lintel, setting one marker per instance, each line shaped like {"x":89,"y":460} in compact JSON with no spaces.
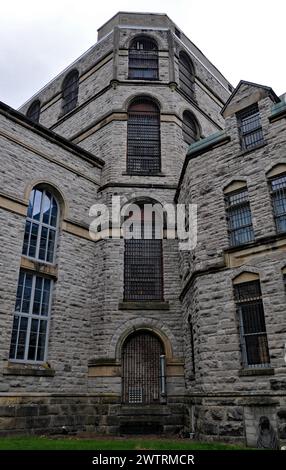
{"x":149,"y":305}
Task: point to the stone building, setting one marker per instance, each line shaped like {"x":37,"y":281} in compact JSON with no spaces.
{"x":113,"y":335}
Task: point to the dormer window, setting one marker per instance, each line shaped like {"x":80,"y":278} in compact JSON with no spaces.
{"x":250,"y":128}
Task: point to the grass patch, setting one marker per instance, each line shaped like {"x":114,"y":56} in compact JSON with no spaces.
{"x":74,"y":443}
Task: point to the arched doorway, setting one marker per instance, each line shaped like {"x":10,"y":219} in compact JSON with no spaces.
{"x":143,"y":373}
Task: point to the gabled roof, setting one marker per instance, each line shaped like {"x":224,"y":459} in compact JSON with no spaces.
{"x":266,"y":91}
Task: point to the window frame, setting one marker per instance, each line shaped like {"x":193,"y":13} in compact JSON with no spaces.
{"x":272,"y":193}
{"x":188,"y":117}
{"x":186,"y":75}
{"x":40,"y":225}
{"x":256,"y":301}
{"x":247,"y":114}
{"x":68,"y":83}
{"x":233,"y":207}
{"x":31,"y":316}
{"x":36,"y":104}
{"x":138,"y":56}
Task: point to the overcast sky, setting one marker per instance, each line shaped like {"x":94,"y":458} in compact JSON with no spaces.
{"x":245,"y":39}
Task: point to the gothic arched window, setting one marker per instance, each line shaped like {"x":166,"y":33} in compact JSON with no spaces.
{"x":190,"y":128}
{"x":33,"y":112}
{"x":143,"y":59}
{"x":186,"y":75}
{"x":143,"y":137}
{"x":70,"y":91}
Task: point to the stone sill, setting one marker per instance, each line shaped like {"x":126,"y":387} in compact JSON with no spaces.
{"x":148,"y":305}
{"x":28,"y":371}
{"x":252,"y":149}
{"x":159,"y":174}
{"x":258,"y":371}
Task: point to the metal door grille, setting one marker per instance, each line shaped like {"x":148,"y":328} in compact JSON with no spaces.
{"x":141,"y":369}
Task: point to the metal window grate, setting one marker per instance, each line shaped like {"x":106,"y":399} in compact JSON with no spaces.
{"x":254,"y":342}
{"x":141,"y":369}
{"x":239,"y":218}
{"x":250,"y":127}
{"x":190,"y":128}
{"x":186,"y":75}
{"x":70,"y":91}
{"x":34,"y":110}
{"x":143,"y":60}
{"x":143,"y":138}
{"x":278,"y":192}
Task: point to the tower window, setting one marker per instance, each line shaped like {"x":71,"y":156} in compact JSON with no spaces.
{"x":70,"y":91}
{"x":254,"y":344}
{"x":143,"y":138}
{"x":250,"y":127}
{"x":190,"y":128}
{"x":239,"y":217}
{"x":278,"y":193}
{"x":33,"y":112}
{"x":143,"y":59}
{"x":186,"y":75}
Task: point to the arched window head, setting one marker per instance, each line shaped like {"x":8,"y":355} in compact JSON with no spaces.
{"x":34,"y":110}
{"x":143,"y":59}
{"x":41,"y":226}
{"x":186,"y":75}
{"x":70,"y":91}
{"x":143,"y":137}
{"x":190,"y":128}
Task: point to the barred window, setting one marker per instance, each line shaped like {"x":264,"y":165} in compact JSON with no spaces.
{"x":254,"y":344}
{"x":70,"y":91}
{"x":33,"y":112}
{"x":41,"y":226}
{"x":239,"y":218}
{"x":143,"y":138}
{"x":143,"y":264}
{"x":190,"y":128}
{"x":30,"y":324}
{"x":250,"y":127}
{"x":143,"y":59}
{"x":186,"y":75}
{"x":278,"y":193}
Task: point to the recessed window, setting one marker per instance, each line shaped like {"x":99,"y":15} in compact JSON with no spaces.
{"x":70,"y":91}
{"x":254,"y":344}
{"x":190,"y":128}
{"x":178,"y":33}
{"x":250,"y":128}
{"x":143,"y":263}
{"x":278,"y":194}
{"x":143,"y":137}
{"x":143,"y":59}
{"x":30,"y":324}
{"x":41,"y":226}
{"x":34,"y":110}
{"x":186,"y":75}
{"x":239,"y":217}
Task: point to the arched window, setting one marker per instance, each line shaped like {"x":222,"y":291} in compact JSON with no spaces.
{"x":143,"y":59}
{"x":70,"y":91}
{"x":186,"y":75}
{"x":143,"y":137}
{"x":33,"y":299}
{"x":41,"y":226}
{"x":33,"y":112}
{"x":143,"y":257}
{"x":190,"y":128}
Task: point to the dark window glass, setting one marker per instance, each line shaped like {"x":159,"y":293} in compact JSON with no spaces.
{"x":239,"y":217}
{"x":250,"y":128}
{"x":34,"y":110}
{"x":278,"y":192}
{"x":190,"y":128}
{"x":143,"y":138}
{"x":30,"y":318}
{"x":186,"y":75}
{"x":254,"y":342}
{"x":143,"y":270}
{"x":143,"y":60}
{"x":70,"y":91}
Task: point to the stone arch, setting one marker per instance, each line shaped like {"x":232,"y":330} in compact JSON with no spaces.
{"x":276,"y":170}
{"x":136,"y":96}
{"x":234,"y":185}
{"x":150,"y":35}
{"x":54,"y":189}
{"x":142,"y":324}
{"x":245,"y":276}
